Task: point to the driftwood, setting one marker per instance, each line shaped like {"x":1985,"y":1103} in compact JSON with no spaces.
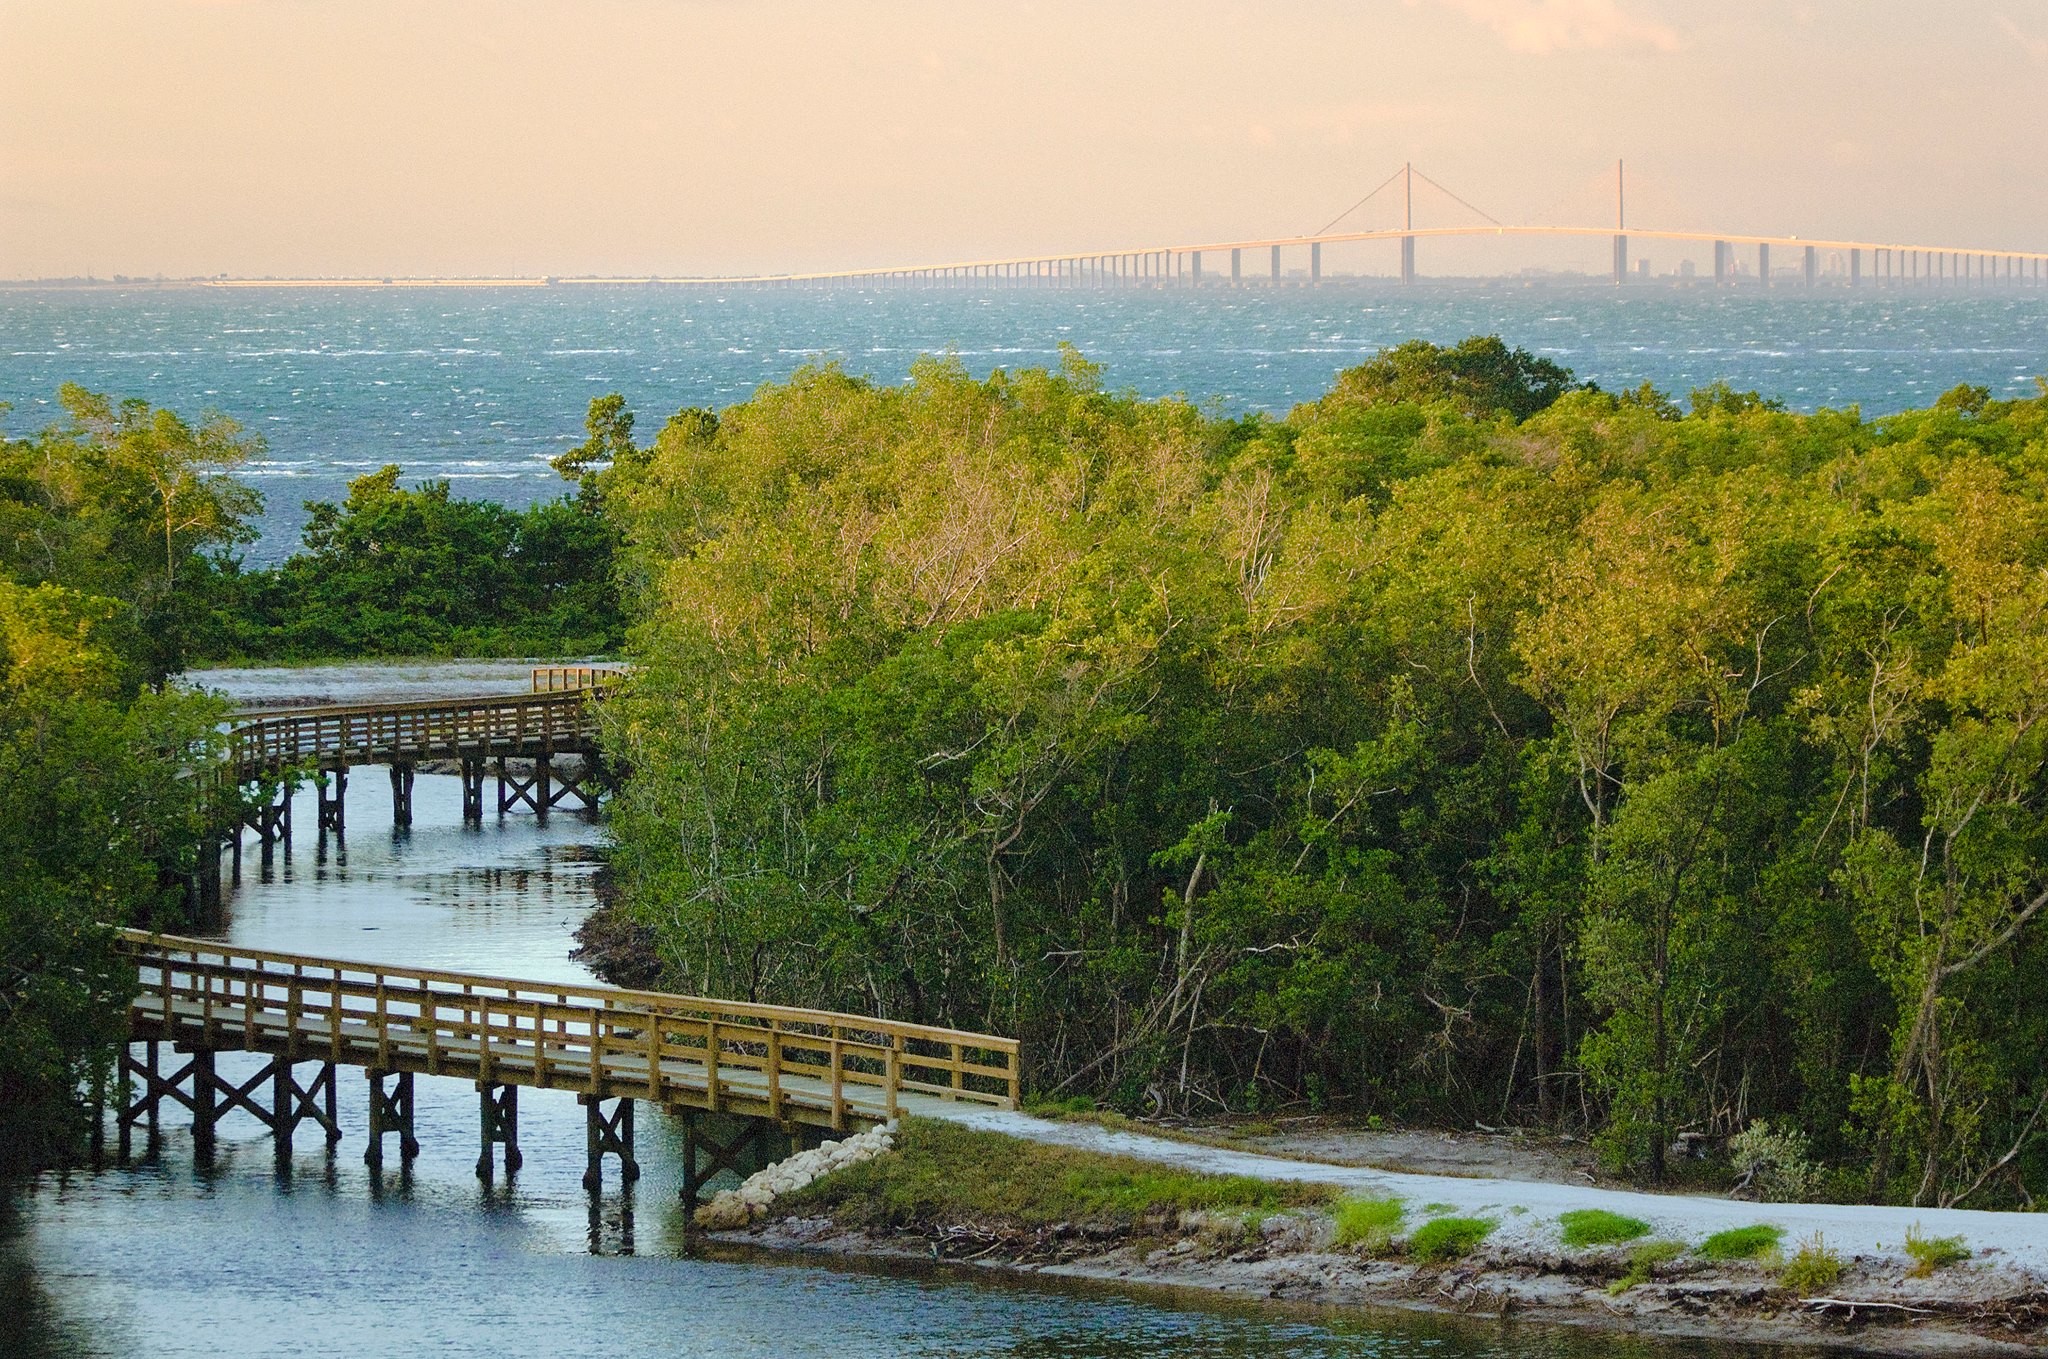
{"x":1851,"y":1304}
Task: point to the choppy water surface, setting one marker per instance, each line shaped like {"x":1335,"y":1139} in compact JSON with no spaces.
{"x":482,"y":387}
{"x":323,"y":1257}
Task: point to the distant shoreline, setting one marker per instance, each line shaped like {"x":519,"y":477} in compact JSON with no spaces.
{"x":1788,"y":287}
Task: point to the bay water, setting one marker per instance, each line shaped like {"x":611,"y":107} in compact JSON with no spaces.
{"x":482,"y":386}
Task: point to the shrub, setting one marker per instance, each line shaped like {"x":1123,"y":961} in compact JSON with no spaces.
{"x":1773,"y":1162}
{"x":1811,"y":1267}
{"x":1448,"y":1238}
{"x":1741,"y":1243}
{"x":1598,"y":1227}
{"x":1643,"y":1262}
{"x":1369,"y":1224}
{"x":1933,"y":1252}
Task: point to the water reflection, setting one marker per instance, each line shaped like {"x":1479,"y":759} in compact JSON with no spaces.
{"x":319,"y":1253}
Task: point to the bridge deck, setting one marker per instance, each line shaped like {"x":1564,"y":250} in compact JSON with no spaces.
{"x":793,"y":1065}
{"x":556,"y":718}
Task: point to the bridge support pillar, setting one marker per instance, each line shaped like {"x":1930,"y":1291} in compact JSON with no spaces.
{"x":498,"y":1110}
{"x":1620,"y":260}
{"x":196,"y":1085}
{"x":713,"y":1143}
{"x":290,"y":1103}
{"x":1810,"y":266}
{"x":401,"y":795}
{"x":272,"y":818}
{"x":1315,"y":263}
{"x":607,"y":1133}
{"x":1720,"y":263}
{"x":536,"y":791}
{"x":205,"y":1110}
{"x":1236,"y":266}
{"x":1276,"y":265}
{"x":128,"y":1111}
{"x":1407,"y":259}
{"x":1763,"y":265}
{"x":330,"y":789}
{"x":390,"y":1111}
{"x":206,"y":890}
{"x":1855,"y":268}
{"x":473,"y":789}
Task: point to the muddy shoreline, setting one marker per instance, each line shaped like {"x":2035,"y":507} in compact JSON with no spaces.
{"x":2003,"y":1314}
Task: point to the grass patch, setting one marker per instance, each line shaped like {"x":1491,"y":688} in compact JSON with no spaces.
{"x":1741,"y":1243}
{"x":1445,"y":1239}
{"x":1369,"y":1224}
{"x":1643,"y":1263}
{"x":1812,"y":1267}
{"x":940,"y":1173}
{"x":1597,"y":1227}
{"x":1438,"y":1208}
{"x":1933,"y":1252}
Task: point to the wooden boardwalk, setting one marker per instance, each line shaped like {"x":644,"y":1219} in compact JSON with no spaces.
{"x":267,"y":750}
{"x":780,"y":1067}
{"x":740,"y":1076}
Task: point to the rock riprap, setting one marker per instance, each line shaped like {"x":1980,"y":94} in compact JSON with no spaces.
{"x":730,"y":1208}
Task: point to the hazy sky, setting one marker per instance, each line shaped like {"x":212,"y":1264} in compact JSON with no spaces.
{"x":519,"y":136}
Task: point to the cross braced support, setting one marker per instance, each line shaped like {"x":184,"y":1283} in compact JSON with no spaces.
{"x":607,"y":1134}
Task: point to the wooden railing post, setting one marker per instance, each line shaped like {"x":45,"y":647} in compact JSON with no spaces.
{"x":893,"y":1077}
{"x":838,"y":1084}
{"x":654,"y":1059}
{"x":711,"y":1064}
{"x":774,"y":1069}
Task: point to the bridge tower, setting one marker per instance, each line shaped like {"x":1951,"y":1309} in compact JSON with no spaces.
{"x":1408,"y":221}
{"x":1620,"y":226}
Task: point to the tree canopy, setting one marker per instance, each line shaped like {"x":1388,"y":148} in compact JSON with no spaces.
{"x":1469,"y":744}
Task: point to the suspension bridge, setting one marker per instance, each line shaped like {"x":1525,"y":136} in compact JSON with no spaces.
{"x":1739,"y":259}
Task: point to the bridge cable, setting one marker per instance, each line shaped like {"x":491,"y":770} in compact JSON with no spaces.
{"x":1362,"y":202}
{"x":1455,"y":199}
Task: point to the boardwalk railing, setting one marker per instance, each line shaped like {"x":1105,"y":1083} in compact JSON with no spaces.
{"x":794,"y":1065}
{"x":550,"y":679}
{"x":442,"y":729}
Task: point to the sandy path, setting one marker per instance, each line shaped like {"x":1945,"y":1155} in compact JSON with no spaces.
{"x":1527,"y":1210}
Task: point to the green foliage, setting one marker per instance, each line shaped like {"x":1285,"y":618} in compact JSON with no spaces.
{"x":1462,"y":744}
{"x":1598,"y":1227}
{"x":98,"y":813}
{"x":1773,"y":1162}
{"x":125,"y":502}
{"x":940,"y":1173}
{"x":1480,"y":377}
{"x":1444,"y":1239}
{"x":1741,"y":1243}
{"x":1813,"y":1266}
{"x":1933,"y":1252}
{"x":1369,"y":1225}
{"x":1643,"y":1263}
{"x":108,"y":525}
{"x":392,"y":571}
